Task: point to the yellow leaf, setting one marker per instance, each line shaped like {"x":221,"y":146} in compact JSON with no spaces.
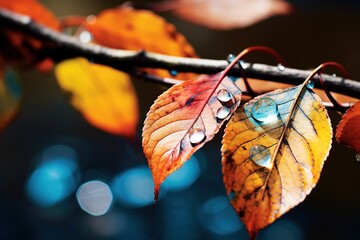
{"x":104,"y":96}
{"x":183,"y":119}
{"x":273,"y":151}
{"x":10,"y":97}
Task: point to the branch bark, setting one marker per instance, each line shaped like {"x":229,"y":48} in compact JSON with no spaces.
{"x":61,"y":47}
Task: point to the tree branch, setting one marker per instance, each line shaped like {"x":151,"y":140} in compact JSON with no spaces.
{"x":63,"y":47}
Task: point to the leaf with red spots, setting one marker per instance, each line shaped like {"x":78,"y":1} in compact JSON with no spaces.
{"x":183,"y":119}
{"x":127,"y":28}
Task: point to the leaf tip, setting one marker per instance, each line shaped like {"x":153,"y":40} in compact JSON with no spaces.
{"x":156,"y":193}
{"x":252,"y":235}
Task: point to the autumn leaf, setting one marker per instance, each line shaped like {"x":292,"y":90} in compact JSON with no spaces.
{"x":224,"y":14}
{"x":18,"y":48}
{"x":10,"y":97}
{"x":104,"y":96}
{"x":273,"y":152}
{"x":126,"y":28}
{"x":348,"y":130}
{"x":183,"y":118}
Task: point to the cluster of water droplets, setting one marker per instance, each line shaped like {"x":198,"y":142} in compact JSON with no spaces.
{"x":265,"y":110}
{"x":197,"y":135}
{"x":226,"y":99}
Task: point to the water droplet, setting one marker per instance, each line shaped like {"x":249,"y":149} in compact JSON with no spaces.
{"x":334,"y":75}
{"x":244,"y":65}
{"x":222,"y":113}
{"x":281,"y":67}
{"x":265,"y":110}
{"x":260,"y":155}
{"x":357,"y":157}
{"x":173,"y":73}
{"x":233,"y":78}
{"x":310,"y":84}
{"x":224,"y":95}
{"x":230,"y":58}
{"x":85,"y":37}
{"x":231,"y":195}
{"x":196,"y":136}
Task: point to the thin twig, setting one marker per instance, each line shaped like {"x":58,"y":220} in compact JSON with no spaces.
{"x":61,"y":47}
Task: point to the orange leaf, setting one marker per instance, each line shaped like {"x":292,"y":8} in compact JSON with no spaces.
{"x":348,"y":130}
{"x":183,"y":118}
{"x":10,"y":97}
{"x":225,"y":14}
{"x":273,"y":151}
{"x":126,"y":28}
{"x":17,"y":47}
{"x":104,"y":96}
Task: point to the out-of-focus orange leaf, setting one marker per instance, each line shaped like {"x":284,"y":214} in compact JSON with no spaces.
{"x":126,"y":28}
{"x":19,"y":48}
{"x":104,"y":96}
{"x":10,"y":97}
{"x":183,"y":118}
{"x":273,"y":151}
{"x":225,"y":14}
{"x":348,"y":130}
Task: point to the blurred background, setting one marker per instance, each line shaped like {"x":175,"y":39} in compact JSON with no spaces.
{"x":60,"y":178}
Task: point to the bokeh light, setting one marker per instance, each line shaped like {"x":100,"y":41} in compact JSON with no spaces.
{"x":135,"y":187}
{"x":184,"y":177}
{"x":54,"y":179}
{"x":282,"y":230}
{"x":95,"y":197}
{"x":218,"y":216}
{"x":117,"y":225}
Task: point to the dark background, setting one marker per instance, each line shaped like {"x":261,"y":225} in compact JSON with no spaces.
{"x":317,"y":31}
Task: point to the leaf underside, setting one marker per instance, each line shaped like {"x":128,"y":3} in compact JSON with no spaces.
{"x":189,"y":106}
{"x":261,"y":194}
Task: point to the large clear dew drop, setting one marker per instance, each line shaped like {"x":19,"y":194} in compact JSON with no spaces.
{"x":260,"y":155}
{"x":265,"y":110}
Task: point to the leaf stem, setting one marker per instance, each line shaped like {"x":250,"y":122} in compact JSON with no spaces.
{"x":60,"y":47}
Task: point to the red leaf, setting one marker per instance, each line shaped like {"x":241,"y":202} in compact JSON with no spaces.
{"x":348,"y":130}
{"x":183,"y":119}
